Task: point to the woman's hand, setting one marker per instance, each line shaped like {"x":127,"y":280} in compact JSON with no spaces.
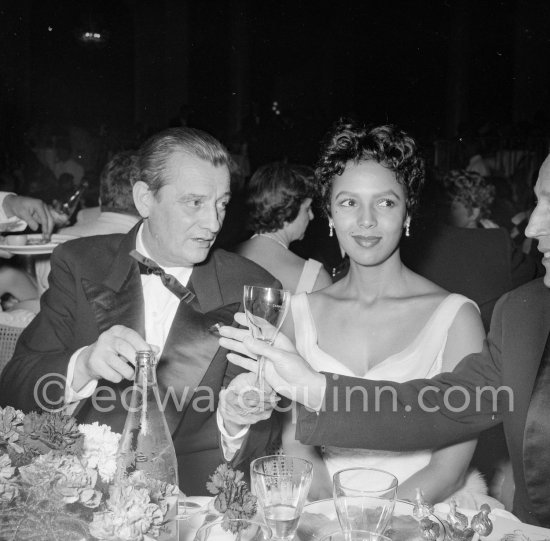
{"x":243,"y":404}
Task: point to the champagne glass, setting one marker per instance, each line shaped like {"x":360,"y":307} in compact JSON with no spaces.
{"x":364,"y":498}
{"x":265,"y":309}
{"x":281,"y":484}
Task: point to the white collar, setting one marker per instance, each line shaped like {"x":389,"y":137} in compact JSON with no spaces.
{"x":181,"y":273}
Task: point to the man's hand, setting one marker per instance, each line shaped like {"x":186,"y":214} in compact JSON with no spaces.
{"x":33,"y":211}
{"x":243,"y":404}
{"x":109,"y":356}
{"x":285,"y":370}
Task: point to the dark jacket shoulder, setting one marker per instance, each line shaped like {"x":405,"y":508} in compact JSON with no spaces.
{"x":533,"y":291}
{"x":241,"y":271}
{"x":86,"y":246}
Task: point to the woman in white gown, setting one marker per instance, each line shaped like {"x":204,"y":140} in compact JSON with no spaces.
{"x":382,"y":321}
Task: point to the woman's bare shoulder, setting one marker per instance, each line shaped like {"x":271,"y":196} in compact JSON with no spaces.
{"x":422,"y":287}
{"x":320,"y":298}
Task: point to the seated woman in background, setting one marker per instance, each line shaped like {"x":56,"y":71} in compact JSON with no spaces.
{"x":382,"y":321}
{"x":279,"y":204}
{"x":470,"y":198}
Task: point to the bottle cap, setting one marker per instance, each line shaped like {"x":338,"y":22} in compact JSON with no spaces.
{"x":145,"y":356}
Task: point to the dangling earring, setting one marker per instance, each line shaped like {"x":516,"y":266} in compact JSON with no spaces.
{"x":408,"y":227}
{"x":330,"y":228}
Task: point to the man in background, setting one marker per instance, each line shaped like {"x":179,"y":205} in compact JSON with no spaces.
{"x":116,"y":212}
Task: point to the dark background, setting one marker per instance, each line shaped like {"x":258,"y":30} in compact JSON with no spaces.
{"x":433,"y":67}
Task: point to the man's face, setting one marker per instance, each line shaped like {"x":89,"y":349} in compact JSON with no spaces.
{"x":539,"y":223}
{"x":186,"y":214}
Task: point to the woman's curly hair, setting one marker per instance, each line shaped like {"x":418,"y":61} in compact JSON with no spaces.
{"x":275,"y":193}
{"x":351,"y":141}
{"x":470,"y":189}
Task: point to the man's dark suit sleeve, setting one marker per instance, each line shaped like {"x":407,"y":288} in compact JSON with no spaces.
{"x":418,"y":414}
{"x":45,"y":347}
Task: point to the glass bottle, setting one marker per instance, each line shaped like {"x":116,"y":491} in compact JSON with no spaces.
{"x":69,"y":207}
{"x":146,"y":444}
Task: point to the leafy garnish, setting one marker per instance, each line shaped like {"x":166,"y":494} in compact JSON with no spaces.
{"x":233,"y":498}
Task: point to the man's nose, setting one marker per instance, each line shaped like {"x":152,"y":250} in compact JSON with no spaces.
{"x":537,"y":226}
{"x":212,"y":220}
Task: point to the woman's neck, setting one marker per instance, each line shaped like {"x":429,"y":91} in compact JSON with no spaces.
{"x":378,"y":281}
{"x":276,"y":236}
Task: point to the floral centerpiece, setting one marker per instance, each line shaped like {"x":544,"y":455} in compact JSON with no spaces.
{"x":56,"y":483}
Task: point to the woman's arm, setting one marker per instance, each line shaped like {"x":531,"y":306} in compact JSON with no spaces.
{"x":443,"y":476}
{"x":466,"y":335}
{"x":321,"y":484}
{"x":447,"y":469}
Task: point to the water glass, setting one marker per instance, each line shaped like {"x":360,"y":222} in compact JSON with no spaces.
{"x":364,"y":498}
{"x":354,"y":535}
{"x":281,"y":484}
{"x":234,"y":530}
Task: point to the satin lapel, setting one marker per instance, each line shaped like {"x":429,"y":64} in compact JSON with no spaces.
{"x":187,"y":356}
{"x":205,"y":283}
{"x":190,"y":347}
{"x":118,"y":299}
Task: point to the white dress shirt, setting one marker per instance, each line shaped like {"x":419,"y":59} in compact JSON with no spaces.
{"x":160,"y":306}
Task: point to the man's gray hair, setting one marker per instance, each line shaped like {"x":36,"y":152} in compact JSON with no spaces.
{"x":157,"y":150}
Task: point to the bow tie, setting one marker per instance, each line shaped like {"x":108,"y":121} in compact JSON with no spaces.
{"x":148,"y":266}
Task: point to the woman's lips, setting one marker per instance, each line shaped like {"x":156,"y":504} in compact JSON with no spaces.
{"x":366,"y":242}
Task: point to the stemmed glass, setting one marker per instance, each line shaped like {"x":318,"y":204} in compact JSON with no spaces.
{"x":364,"y":498}
{"x":265,"y":309}
{"x":233,"y":529}
{"x":281,"y":484}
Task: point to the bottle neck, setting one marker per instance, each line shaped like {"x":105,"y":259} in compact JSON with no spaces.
{"x":146,"y":370}
{"x":145,"y":394}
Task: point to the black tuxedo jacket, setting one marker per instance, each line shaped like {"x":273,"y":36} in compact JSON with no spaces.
{"x":511,"y":359}
{"x":481,"y":264}
{"x":95,"y":284}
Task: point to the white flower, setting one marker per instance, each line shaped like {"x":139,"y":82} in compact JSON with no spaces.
{"x":128,"y":517}
{"x":7,"y":471}
{"x":8,"y":488}
{"x":100,"y":449}
{"x":67,"y":477}
{"x":10,"y":424}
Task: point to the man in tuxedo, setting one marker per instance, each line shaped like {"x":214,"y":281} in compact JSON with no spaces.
{"x":158,"y":287}
{"x":508,"y":382}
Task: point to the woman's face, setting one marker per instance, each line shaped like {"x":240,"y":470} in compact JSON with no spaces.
{"x":368,"y":207}
{"x":461,"y":216}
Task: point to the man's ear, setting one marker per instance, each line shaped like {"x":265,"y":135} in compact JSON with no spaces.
{"x":142,"y":198}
